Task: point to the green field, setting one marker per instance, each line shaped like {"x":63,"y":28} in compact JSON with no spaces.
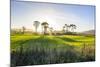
{"x":46,"y":49}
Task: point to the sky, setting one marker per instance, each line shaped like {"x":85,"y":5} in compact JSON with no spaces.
{"x":25,"y":13}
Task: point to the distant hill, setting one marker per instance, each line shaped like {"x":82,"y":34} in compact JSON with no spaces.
{"x":89,"y":32}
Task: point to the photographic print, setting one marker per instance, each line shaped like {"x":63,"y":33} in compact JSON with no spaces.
{"x":51,"y":33}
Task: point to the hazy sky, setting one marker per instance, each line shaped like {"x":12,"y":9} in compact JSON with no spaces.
{"x":24,"y":13}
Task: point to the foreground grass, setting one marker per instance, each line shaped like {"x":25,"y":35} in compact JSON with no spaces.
{"x":36,"y":50}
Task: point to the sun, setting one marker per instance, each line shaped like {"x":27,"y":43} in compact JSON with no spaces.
{"x":47,"y":19}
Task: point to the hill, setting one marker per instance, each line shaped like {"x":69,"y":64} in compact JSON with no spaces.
{"x":89,"y":32}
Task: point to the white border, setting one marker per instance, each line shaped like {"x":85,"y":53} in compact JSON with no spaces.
{"x":89,"y":2}
{"x":5,"y":31}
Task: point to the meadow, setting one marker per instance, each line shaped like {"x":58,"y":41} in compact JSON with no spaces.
{"x":29,"y":49}
{"x":51,"y":33}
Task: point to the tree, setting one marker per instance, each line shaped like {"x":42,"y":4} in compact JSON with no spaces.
{"x":73,"y":26}
{"x":64,"y":29}
{"x":23,"y":29}
{"x":36,"y":24}
{"x":44,"y":27}
{"x":69,"y":27}
{"x":66,"y":26}
{"x":51,"y":30}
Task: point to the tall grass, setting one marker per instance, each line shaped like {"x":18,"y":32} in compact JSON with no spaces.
{"x":36,"y":50}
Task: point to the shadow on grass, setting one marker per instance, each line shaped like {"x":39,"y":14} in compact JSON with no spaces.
{"x":67,"y":39}
{"x":44,"y":50}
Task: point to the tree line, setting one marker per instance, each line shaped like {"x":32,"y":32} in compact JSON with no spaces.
{"x":66,"y":28}
{"x":45,"y":28}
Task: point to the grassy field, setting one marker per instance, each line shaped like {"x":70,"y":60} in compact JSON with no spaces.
{"x":45,"y":49}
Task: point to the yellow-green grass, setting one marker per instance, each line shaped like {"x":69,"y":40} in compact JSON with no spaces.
{"x":46,"y":49}
{"x":73,"y":40}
